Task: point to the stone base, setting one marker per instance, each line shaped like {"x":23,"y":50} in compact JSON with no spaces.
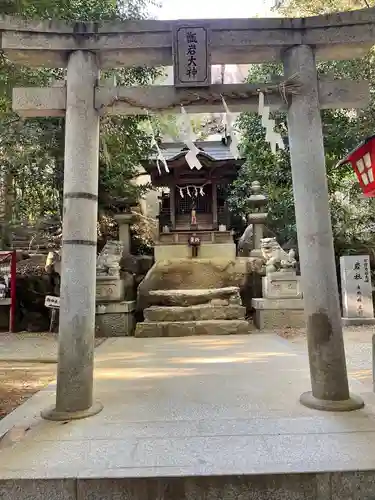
{"x":358,"y":321}
{"x":109,"y":288}
{"x":61,"y":416}
{"x":194,"y":313}
{"x":271,"y":314}
{"x":273,"y":319}
{"x":351,"y":404}
{"x":206,"y":251}
{"x":191,"y":328}
{"x":282,"y":285}
{"x":115,"y":319}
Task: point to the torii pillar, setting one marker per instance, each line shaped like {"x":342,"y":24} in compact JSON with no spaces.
{"x":74,"y":391}
{"x":330,"y":390}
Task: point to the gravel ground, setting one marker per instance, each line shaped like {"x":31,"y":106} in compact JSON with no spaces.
{"x":27,"y":364}
{"x":19,"y":381}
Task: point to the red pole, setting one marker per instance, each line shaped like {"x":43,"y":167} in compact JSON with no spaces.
{"x":13,"y":280}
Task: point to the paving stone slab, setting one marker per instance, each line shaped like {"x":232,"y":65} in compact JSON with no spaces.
{"x":281,"y":487}
{"x":191,"y":328}
{"x":194,"y":313}
{"x":196,"y":418}
{"x":38,"y":489}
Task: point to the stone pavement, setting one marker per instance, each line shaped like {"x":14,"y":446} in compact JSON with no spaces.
{"x":358,"y":348}
{"x":30,"y":347}
{"x":190,"y":407}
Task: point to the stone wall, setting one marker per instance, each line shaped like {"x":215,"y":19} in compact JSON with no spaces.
{"x":32,"y":285}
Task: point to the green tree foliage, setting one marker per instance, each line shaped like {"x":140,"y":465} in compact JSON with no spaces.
{"x":300,"y":8}
{"x":353,"y":217}
{"x":32,"y":150}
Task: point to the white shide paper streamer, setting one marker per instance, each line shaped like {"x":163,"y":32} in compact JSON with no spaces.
{"x":231,"y":131}
{"x":192,"y":187}
{"x":160,"y":160}
{"x":189,"y":138}
{"x":274,"y":138}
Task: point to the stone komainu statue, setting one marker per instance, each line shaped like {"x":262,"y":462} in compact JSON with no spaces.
{"x":276,"y":258}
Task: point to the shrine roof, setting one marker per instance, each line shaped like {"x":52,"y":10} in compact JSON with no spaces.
{"x":212,"y":150}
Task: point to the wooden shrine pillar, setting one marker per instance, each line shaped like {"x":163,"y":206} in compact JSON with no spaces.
{"x":172,"y":206}
{"x":214,"y":206}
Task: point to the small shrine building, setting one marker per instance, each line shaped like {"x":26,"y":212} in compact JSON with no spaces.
{"x":194,"y":220}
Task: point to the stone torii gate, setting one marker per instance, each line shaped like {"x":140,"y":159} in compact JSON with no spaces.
{"x":84,"y":49}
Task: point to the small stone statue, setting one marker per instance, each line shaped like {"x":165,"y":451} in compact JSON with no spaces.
{"x":108,"y":262}
{"x":277,"y":260}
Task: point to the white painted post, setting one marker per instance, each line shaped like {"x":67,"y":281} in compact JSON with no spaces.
{"x":329,"y":380}
{"x":74,"y":393}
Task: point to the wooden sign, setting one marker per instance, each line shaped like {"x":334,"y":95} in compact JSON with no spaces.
{"x":52,"y":302}
{"x":191,"y":61}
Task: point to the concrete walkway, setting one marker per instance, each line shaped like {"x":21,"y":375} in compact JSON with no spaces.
{"x":358,"y":348}
{"x":28,"y":347}
{"x":31,"y":347}
{"x":190,"y":407}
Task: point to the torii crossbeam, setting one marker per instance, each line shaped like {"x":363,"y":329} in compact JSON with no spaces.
{"x":51,"y":101}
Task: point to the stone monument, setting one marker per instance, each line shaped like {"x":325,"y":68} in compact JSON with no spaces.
{"x":114,"y":315}
{"x":356,"y":290}
{"x":282,"y":302}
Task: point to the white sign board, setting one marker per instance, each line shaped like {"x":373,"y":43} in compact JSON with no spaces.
{"x":52,"y":302}
{"x":356,"y":286}
{"x":192,"y":66}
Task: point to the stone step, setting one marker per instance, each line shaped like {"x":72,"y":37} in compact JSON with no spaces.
{"x":189,"y":482}
{"x":184,"y":298}
{"x":194,"y":313}
{"x":191,"y":328}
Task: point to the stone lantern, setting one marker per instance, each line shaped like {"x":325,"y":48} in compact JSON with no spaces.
{"x":258,"y":203}
{"x":124,"y":221}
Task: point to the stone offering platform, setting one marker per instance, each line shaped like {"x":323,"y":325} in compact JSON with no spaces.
{"x":180,"y":313}
{"x":194,"y":418}
{"x":193,"y":328}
